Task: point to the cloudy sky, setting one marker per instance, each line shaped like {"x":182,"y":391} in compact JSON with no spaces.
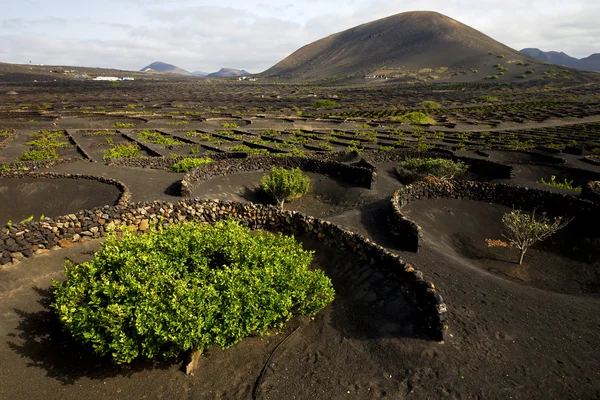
{"x":206,"y":35}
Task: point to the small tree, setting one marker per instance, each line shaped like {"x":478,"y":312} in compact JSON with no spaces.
{"x":282,"y":184}
{"x":524,"y":230}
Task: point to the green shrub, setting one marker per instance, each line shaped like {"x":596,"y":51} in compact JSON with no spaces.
{"x":500,"y":55}
{"x":159,"y":138}
{"x":177,"y":123}
{"x":189,"y":286}
{"x":247,"y":149}
{"x":43,"y":153}
{"x":283,"y":184}
{"x":415,"y":117}
{"x":123,"y":150}
{"x":123,"y":125}
{"x":492,"y":76}
{"x":415,"y":168}
{"x":47,"y":142}
{"x":326,"y":104}
{"x":429,"y":104}
{"x":4,"y":132}
{"x":230,"y":125}
{"x":185,"y":164}
{"x":568,"y":185}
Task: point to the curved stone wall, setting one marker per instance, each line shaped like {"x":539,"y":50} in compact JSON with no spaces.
{"x":354,"y":175}
{"x":585,"y":212}
{"x":37,"y":237}
{"x":123,"y":199}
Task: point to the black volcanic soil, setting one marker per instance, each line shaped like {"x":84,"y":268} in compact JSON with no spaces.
{"x":25,"y":197}
{"x":458,"y":229}
{"x":527,"y":332}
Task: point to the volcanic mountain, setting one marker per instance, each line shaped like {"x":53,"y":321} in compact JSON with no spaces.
{"x":413,"y":40}
{"x":159,"y":66}
{"x":228,"y":73}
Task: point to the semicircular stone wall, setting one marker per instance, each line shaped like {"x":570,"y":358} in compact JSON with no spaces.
{"x":37,"y":237}
{"x":585,"y":212}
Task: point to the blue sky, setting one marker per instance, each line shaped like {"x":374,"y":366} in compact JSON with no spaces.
{"x":255,"y":34}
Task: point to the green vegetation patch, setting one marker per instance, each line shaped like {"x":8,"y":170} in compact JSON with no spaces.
{"x":44,"y":153}
{"x":189,"y":286}
{"x":247,"y":149}
{"x":568,"y":185}
{"x":326,"y":104}
{"x":123,"y":125}
{"x":438,"y":167}
{"x":415,"y":117}
{"x":123,"y":150}
{"x":159,"y":138}
{"x":429,"y":104}
{"x":184,"y":165}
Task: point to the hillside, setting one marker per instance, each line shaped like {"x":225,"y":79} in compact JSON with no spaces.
{"x":229,"y":73}
{"x":412,"y":40}
{"x":159,"y":66}
{"x":591,"y":63}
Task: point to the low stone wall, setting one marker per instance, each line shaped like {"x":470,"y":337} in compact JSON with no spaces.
{"x":39,"y":236}
{"x":33,"y":165}
{"x":584,"y":212}
{"x":591,"y":191}
{"x":4,"y":142}
{"x":350,"y":174}
{"x":123,"y":199}
{"x":165,"y":163}
{"x":80,"y":149}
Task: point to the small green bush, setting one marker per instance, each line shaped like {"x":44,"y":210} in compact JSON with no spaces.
{"x":568,"y":185}
{"x":429,"y":104}
{"x":188,"y":286}
{"x":493,"y":76}
{"x":4,"y":132}
{"x":184,"y":165}
{"x":415,"y":117}
{"x":123,"y":125}
{"x":123,"y":150}
{"x":283,"y":184}
{"x":43,"y":153}
{"x":415,"y":168}
{"x":230,"y":125}
{"x":326,"y":104}
{"x":159,"y":138}
{"x":247,"y":149}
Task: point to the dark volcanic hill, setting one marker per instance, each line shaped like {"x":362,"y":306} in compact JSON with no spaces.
{"x":229,"y":73}
{"x":159,"y":66}
{"x":418,"y":39}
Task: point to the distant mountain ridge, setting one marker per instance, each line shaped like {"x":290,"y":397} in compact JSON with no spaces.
{"x":591,"y":63}
{"x":159,"y":66}
{"x":229,"y":73}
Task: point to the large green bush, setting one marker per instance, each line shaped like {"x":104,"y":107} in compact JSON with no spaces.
{"x":282,"y":184}
{"x":416,"y":168}
{"x":189,"y":286}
